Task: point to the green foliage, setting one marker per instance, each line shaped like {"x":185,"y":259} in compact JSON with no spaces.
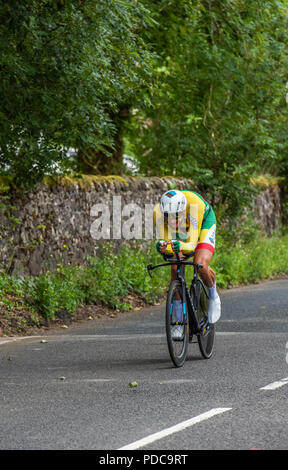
{"x":219,"y":114}
{"x":194,"y":88}
{"x":250,"y":259}
{"x":47,"y":294}
{"x":66,"y":68}
{"x":243,"y":257}
{"x":8,"y":286}
{"x":55,"y":292}
{"x":7,"y":209}
{"x":111,"y":277}
{"x":104,"y":280}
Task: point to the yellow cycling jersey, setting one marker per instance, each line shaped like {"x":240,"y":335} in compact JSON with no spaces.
{"x":196,"y":230}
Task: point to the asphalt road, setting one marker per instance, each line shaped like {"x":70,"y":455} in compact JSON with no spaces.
{"x":72,"y":392}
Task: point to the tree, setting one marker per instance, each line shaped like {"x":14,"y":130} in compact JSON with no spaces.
{"x":219,"y":113}
{"x":67,"y":68}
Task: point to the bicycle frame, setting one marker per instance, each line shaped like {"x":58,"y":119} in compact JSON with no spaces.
{"x":185,"y":291}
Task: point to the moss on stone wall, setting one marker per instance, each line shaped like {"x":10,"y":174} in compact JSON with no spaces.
{"x":83,"y":181}
{"x":266,"y":181}
{"x":111,"y":181}
{"x":87,"y":181}
{"x":6,"y":184}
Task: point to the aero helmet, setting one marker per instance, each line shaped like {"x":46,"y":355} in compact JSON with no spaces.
{"x":173,"y":201}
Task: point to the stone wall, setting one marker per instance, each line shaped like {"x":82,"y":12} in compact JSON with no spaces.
{"x":268,"y":208}
{"x":51,"y":224}
{"x":54,"y":219}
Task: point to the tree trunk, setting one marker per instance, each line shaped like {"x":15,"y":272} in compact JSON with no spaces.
{"x":95,"y":162}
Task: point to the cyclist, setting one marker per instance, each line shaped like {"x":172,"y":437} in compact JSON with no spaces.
{"x":188,"y":222}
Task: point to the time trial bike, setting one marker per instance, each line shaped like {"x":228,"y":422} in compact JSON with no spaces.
{"x":194,"y":319}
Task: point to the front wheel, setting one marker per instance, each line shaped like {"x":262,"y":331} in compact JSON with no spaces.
{"x":176,"y":324}
{"x":206,"y":339}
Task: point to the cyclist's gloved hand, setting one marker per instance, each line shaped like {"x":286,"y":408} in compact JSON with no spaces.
{"x":159,"y":244}
{"x":176,"y":245}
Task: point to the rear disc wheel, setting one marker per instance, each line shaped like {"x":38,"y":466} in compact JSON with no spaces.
{"x":206,"y":339}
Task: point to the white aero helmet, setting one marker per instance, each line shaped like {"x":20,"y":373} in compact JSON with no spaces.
{"x":172,"y":202}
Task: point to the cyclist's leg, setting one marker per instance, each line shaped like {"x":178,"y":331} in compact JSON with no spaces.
{"x":174,"y":275}
{"x":205,"y":249}
{"x":208,"y":277}
{"x":204,"y":256}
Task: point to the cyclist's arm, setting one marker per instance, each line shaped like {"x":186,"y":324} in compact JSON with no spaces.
{"x":185,"y":248}
{"x":162,"y":233}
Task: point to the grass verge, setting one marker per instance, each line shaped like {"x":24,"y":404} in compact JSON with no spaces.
{"x":119,"y":281}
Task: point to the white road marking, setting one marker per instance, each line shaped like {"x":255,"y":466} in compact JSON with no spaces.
{"x":274,"y":385}
{"x":173,"y":429}
{"x":124,"y":337}
{"x":176,"y":381}
{"x":16,"y":338}
{"x":84,"y":337}
{"x":72,"y":382}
